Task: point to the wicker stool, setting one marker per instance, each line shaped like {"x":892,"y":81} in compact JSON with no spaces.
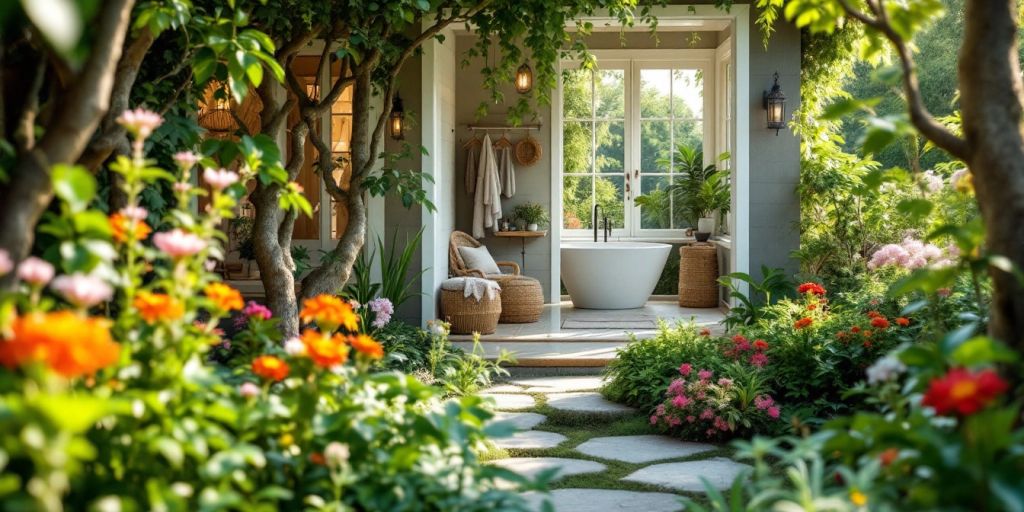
{"x":698,"y":275}
{"x":522,"y":299}
{"x":466,"y":314}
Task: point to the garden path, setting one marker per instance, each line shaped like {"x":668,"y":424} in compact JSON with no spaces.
{"x":603,"y":452}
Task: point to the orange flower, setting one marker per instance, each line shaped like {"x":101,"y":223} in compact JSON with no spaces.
{"x":867,"y":333}
{"x":325,"y":350}
{"x":157,"y":307}
{"x":903,"y":321}
{"x":855,"y":329}
{"x":841,"y":335}
{"x":270,"y":367}
{"x":880,"y":322}
{"x":367,"y":345}
{"x":125,"y":228}
{"x":70,"y":344}
{"x":812,"y":307}
{"x":803,"y":322}
{"x":874,"y":314}
{"x":224,"y":297}
{"x":888,"y":456}
{"x":329,"y":312}
{"x":318,"y":459}
{"x":811,"y":288}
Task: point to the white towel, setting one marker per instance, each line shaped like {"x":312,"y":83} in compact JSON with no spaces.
{"x":507,"y":173}
{"x":473,"y":287}
{"x":487,"y":197}
{"x":470,"y":177}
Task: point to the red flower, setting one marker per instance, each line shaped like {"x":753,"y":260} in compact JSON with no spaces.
{"x":903,"y":321}
{"x":760,"y":345}
{"x":812,"y":288}
{"x":874,"y":314}
{"x":855,"y":329}
{"x":739,"y":338}
{"x":888,"y":456}
{"x":964,"y":392}
{"x":841,"y":335}
{"x":880,"y":322}
{"x":867,"y":333}
{"x":867,"y":344}
{"x":803,"y":322}
{"x":812,"y":307}
{"x":759,"y":359}
{"x":705,"y":332}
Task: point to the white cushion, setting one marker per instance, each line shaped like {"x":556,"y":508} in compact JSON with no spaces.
{"x":479,"y":258}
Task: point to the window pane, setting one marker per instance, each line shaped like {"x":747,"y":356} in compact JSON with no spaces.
{"x":655,"y":203}
{"x":611,"y":93}
{"x":654,"y":92}
{"x":577,"y":94}
{"x":610,"y":192}
{"x":611,"y":148}
{"x":655,"y":145}
{"x":688,"y":93}
{"x":681,"y":218}
{"x":690,"y":133}
{"x":577,"y":202}
{"x":577,"y":151}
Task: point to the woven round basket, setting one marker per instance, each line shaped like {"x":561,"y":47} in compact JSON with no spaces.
{"x":467,"y":316}
{"x":528,"y":151}
{"x":698,"y":275}
{"x":522,"y":299}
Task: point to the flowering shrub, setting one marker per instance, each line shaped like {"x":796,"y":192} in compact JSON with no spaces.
{"x":699,"y":406}
{"x":152,"y":408}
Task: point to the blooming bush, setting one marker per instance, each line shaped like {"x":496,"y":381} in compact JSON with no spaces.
{"x":122,"y":392}
{"x":699,"y":406}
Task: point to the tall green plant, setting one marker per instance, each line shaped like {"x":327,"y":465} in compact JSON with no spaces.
{"x":697,"y":191}
{"x":747,"y":309}
{"x":396,"y":283}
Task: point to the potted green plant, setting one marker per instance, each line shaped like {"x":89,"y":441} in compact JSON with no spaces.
{"x":532,"y":215}
{"x":700,"y":191}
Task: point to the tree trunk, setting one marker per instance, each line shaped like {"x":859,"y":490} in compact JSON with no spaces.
{"x":990,"y":85}
{"x":78,"y":113}
{"x":272,"y":229}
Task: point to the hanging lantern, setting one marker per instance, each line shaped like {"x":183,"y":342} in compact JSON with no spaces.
{"x":524,"y":79}
{"x":775,"y":107}
{"x":397,"y":124}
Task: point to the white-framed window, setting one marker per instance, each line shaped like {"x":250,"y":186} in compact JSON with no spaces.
{"x":621,"y":126}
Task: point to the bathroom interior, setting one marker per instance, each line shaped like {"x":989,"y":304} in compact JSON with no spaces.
{"x":608,"y":261}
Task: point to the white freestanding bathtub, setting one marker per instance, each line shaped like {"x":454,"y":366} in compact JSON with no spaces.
{"x":612,"y":275}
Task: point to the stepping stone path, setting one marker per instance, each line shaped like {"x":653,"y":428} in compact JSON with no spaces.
{"x":638,"y":449}
{"x":530,"y":467}
{"x":511,"y":401}
{"x":605,"y":500}
{"x":589,"y":402}
{"x":579,"y":395}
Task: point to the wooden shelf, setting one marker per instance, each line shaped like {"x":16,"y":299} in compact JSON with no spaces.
{"x":522,"y":234}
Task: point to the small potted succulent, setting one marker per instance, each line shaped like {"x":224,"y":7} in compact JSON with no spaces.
{"x":532,"y":215}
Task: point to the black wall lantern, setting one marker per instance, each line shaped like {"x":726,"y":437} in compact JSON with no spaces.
{"x":397,"y":119}
{"x":775,"y":107}
{"x":524,"y":79}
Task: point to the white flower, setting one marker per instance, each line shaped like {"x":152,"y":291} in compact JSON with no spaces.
{"x":294,"y":347}
{"x":336,"y":453}
{"x":885,"y":369}
{"x":186,"y":159}
{"x":932,"y":181}
{"x":134,"y":212}
{"x":140,"y":122}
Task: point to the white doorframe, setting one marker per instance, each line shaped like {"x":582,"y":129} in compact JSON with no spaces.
{"x":739,"y":16}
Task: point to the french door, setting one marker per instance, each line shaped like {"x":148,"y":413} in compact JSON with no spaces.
{"x":621,"y":125}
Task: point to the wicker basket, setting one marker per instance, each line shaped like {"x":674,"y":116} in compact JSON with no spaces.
{"x":522,"y":299}
{"x":467,"y":316}
{"x":698,"y":275}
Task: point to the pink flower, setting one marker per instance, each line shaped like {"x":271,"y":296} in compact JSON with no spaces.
{"x":707,"y":414}
{"x":685,"y":369}
{"x":219,"y":179}
{"x":759,"y":359}
{"x":178,"y":243}
{"x":773,"y":412}
{"x":676,"y":387}
{"x":674,"y":421}
{"x":654,"y":420}
{"x":140,"y":122}
{"x":721,"y":424}
{"x":253,"y":309}
{"x":691,"y":418}
{"x":660,"y":410}
{"x":763,"y":402}
{"x":6,"y":265}
{"x":681,"y":401}
{"x":137,"y":213}
{"x":382,"y":309}
{"x":704,"y":375}
{"x":186,"y":159}
{"x":82,"y":290}
{"x":910,"y":254}
{"x":181,"y":187}
{"x":35,"y":271}
{"x":249,"y":390}
{"x":724,"y":382}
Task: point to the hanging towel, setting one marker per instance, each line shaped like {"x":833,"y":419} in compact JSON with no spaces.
{"x":487,"y":197}
{"x":507,"y":172}
{"x":470,"y":176}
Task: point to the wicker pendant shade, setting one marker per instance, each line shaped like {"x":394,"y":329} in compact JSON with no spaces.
{"x":215,"y":111}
